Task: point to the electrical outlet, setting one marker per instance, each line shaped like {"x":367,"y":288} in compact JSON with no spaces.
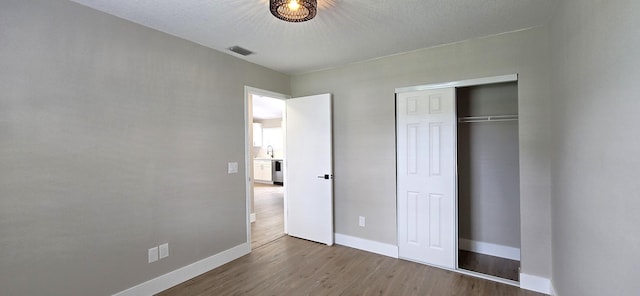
{"x":361,"y":221}
{"x":153,"y":254}
{"x":164,"y":250}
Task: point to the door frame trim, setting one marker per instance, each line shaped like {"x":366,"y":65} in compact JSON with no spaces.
{"x":248,"y":145}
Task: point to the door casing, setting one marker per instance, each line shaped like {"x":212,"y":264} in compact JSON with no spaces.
{"x":248,"y":128}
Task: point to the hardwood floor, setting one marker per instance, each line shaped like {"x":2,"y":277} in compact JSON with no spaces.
{"x":495,"y":266}
{"x":269,"y":209}
{"x":290,"y":266}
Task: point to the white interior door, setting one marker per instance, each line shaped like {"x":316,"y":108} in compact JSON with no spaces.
{"x":426,"y":176}
{"x":309,"y":168}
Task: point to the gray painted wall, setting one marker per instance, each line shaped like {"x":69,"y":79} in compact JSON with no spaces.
{"x":114,"y":138}
{"x":488,"y":166}
{"x":364,"y":130}
{"x":107,"y":146}
{"x":596,"y":192}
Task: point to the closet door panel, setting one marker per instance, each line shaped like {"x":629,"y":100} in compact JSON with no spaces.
{"x":426,"y":176}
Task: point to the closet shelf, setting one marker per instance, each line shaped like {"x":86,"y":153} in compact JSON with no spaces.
{"x":471,"y":119}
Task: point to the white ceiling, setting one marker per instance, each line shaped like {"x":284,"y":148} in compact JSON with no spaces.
{"x":267,"y":108}
{"x":344,"y":31}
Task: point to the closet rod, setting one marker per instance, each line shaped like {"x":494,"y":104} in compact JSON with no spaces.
{"x":471,"y":119}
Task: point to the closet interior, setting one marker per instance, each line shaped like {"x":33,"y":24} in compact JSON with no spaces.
{"x":488,"y":180}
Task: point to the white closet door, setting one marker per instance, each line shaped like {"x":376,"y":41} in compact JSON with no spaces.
{"x":426,"y":176}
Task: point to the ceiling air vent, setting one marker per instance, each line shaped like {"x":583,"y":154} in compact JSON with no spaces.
{"x":240,"y":50}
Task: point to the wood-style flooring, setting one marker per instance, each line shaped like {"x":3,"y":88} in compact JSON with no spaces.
{"x":495,"y":266}
{"x":269,"y":208}
{"x":291,"y":266}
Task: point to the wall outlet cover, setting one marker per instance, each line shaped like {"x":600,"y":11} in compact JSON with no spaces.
{"x":164,"y":250}
{"x":153,"y":254}
{"x":361,"y":221}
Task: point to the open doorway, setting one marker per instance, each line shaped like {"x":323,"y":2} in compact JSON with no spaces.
{"x":265,"y":163}
{"x":488,"y":180}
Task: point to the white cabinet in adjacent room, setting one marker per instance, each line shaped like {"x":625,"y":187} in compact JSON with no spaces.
{"x":257,"y":134}
{"x":262,"y":171}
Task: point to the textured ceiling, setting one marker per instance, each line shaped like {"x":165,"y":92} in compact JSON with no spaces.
{"x":344,"y":31}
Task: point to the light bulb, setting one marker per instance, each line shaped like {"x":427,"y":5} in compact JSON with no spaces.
{"x":294,"y":5}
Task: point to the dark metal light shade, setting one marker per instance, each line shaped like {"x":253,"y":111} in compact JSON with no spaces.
{"x":281,"y":9}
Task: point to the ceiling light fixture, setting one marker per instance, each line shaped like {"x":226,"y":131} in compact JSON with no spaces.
{"x":294,"y":10}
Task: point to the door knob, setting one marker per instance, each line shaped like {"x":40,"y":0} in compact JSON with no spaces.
{"x":326,"y":177}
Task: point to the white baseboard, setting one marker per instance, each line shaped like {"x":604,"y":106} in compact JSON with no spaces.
{"x":535,"y":283}
{"x":190,"y":271}
{"x":252,"y":217}
{"x":489,"y":249}
{"x":367,"y":245}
